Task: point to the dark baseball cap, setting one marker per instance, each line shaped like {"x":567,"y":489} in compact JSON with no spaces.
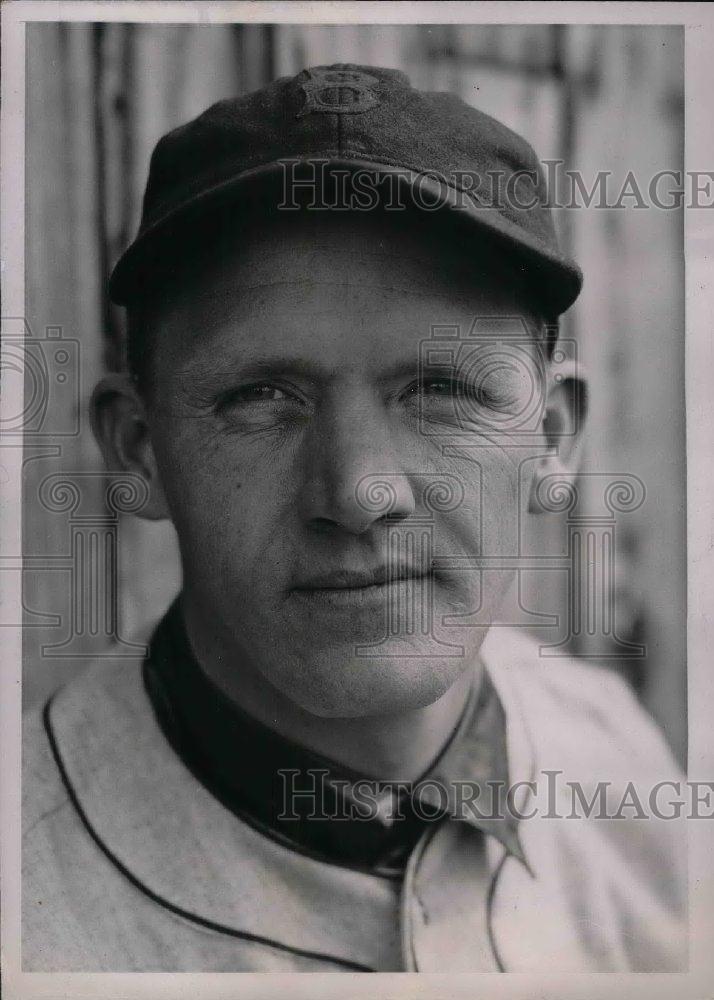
{"x":362,"y":120}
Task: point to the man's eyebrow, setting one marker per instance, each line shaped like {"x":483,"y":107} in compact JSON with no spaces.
{"x":412,"y":369}
{"x":203,"y":373}
{"x":436,"y":363}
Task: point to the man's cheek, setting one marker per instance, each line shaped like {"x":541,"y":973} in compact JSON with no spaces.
{"x":198,"y":467}
{"x":486,"y":519}
{"x":229,"y":525}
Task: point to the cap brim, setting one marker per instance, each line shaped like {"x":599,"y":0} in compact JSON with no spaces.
{"x":557,"y":278}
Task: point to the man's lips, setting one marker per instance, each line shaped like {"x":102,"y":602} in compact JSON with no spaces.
{"x":349,"y":589}
{"x":352,"y":579}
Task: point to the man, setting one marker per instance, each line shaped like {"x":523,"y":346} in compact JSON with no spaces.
{"x":340,"y":391}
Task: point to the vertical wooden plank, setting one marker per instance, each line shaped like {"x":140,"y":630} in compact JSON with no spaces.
{"x":631,"y":314}
{"x":62,"y":291}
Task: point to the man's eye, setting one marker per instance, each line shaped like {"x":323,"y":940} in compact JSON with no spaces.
{"x":491,"y":391}
{"x":438,"y":387}
{"x":261,"y":392}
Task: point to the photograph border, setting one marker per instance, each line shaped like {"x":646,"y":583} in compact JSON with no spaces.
{"x":698,"y":22}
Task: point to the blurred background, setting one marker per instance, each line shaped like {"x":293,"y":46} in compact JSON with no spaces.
{"x":599,"y":98}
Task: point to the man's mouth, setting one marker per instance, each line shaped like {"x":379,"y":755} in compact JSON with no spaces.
{"x":358,"y":579}
{"x":347,"y":587}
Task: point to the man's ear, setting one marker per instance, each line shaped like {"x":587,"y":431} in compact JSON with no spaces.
{"x":118,"y":418}
{"x":565,"y":412}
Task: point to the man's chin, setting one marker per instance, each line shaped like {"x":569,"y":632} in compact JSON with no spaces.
{"x":341,"y":684}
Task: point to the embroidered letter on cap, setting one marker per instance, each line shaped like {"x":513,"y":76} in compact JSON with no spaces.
{"x":338,"y":91}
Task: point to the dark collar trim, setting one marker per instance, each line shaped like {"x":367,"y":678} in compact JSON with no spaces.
{"x":170,"y":649}
{"x":165,"y":903}
{"x":265,"y":829}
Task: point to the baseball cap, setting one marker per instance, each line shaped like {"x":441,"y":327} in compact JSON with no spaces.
{"x":364,"y":120}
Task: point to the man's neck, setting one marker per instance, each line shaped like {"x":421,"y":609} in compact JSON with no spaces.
{"x":395,"y":747}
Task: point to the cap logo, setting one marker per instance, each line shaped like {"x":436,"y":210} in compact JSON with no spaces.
{"x":338,"y":92}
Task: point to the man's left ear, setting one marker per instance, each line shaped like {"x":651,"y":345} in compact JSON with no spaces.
{"x":120,"y":426}
{"x":565,"y":412}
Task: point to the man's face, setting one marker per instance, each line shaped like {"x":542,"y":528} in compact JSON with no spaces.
{"x":297,"y":440}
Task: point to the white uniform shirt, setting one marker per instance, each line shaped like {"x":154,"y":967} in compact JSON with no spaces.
{"x":130,"y":864}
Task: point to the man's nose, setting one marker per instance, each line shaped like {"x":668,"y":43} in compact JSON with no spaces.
{"x":354,"y":474}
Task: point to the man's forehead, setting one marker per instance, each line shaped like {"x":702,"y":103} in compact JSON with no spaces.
{"x":317,"y":266}
{"x":380,"y":352}
{"x":324,"y":328}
